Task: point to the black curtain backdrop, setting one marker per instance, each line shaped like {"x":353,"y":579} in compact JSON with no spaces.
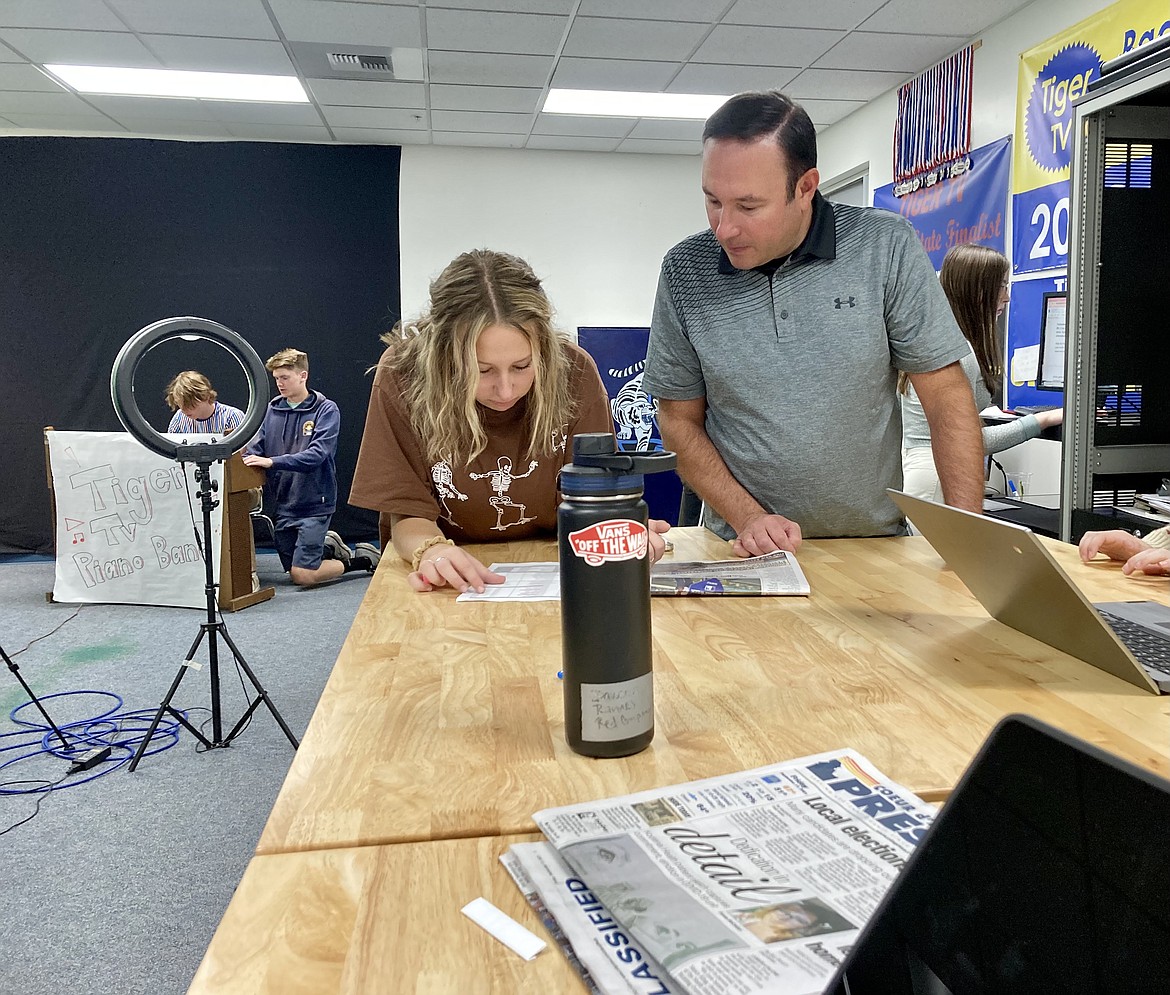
{"x":287,"y":245}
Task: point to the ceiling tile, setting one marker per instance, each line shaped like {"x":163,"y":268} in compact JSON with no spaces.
{"x":489,"y":70}
{"x":612,"y":38}
{"x":755,"y":46}
{"x":154,"y":107}
{"x":278,"y":132}
{"x":81,"y":48}
{"x":373,"y":93}
{"x":451,"y":97}
{"x":657,"y":10}
{"x":91,"y":15}
{"x":843,"y":84}
{"x":474,"y":138}
{"x":350,"y":23}
{"x":572,"y":143}
{"x":222,"y":18}
{"x":60,"y":102}
{"x":405,"y":119}
{"x":492,"y":31}
{"x":894,"y":53}
{"x":71,"y":123}
{"x":661,"y":147}
{"x":380,"y":136}
{"x":519,"y":6}
{"x":826,"y":112}
{"x":577,"y":124}
{"x":613,"y":74}
{"x":679,"y":131}
{"x":927,"y":17}
{"x":238,"y":111}
{"x":23,"y":76}
{"x":486,"y":121}
{"x":170,"y":127}
{"x":226,"y":55}
{"x":703,"y":78}
{"x":845,"y":14}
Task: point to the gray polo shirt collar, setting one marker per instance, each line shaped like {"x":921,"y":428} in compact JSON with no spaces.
{"x":820,"y":242}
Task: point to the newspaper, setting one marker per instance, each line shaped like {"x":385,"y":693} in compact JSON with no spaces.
{"x":774,"y":573}
{"x":753,"y":882}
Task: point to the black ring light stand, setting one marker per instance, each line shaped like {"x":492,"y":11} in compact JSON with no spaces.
{"x":202,"y":454}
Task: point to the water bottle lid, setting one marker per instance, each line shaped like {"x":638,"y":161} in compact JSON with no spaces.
{"x":599,"y":482}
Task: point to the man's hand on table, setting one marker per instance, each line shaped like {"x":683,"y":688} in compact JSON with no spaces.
{"x":766,"y":534}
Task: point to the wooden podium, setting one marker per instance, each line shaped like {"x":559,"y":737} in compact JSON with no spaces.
{"x":238,"y":548}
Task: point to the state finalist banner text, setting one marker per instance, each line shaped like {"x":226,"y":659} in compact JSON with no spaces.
{"x":965,"y":208}
{"x":1052,"y":78}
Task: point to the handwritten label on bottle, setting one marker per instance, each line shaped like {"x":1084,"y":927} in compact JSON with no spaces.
{"x":611,"y":712}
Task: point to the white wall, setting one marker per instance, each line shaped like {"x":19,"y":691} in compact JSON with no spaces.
{"x":594,"y":226}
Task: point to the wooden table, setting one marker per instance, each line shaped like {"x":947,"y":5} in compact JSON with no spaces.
{"x":368,"y":919}
{"x":445,"y":720}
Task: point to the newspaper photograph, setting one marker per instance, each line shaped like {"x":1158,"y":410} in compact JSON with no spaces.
{"x":607,"y":959}
{"x":753,"y":882}
{"x":774,"y":573}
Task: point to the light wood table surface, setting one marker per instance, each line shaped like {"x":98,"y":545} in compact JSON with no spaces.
{"x":445,"y":720}
{"x":359,"y":920}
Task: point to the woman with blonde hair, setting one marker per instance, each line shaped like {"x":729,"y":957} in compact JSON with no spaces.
{"x":470,"y":412}
{"x":975,"y":280}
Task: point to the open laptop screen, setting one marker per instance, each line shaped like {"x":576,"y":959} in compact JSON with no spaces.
{"x":1047,"y":871}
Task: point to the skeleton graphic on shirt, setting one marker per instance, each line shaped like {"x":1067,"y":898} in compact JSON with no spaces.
{"x":501,"y":481}
{"x":444,"y":480}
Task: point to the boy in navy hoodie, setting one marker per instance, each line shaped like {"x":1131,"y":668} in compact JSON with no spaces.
{"x":296,"y":444}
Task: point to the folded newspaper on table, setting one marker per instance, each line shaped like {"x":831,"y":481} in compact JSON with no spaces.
{"x":775,"y":573}
{"x":752,"y":882}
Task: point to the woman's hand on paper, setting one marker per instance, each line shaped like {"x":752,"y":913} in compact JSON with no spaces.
{"x":443,"y":566}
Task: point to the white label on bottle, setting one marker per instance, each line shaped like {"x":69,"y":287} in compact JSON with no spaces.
{"x":611,"y":712}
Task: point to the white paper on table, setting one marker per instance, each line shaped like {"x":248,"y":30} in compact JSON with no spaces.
{"x":525,"y":582}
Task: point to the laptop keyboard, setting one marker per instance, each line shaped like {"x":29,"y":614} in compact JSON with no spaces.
{"x":1152,"y":650}
{"x":1033,"y":409}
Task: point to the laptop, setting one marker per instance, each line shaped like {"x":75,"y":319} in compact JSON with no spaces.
{"x":1047,"y":871}
{"x":1020,"y":584}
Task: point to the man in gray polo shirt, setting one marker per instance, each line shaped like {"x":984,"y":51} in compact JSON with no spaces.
{"x":776,"y":341}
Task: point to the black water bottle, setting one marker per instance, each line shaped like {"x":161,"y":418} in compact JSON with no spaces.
{"x":605,"y":597}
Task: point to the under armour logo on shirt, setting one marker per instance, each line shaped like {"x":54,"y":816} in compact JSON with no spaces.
{"x":848,"y":302}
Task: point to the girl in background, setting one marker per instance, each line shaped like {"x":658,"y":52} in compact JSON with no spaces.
{"x":975,"y":280}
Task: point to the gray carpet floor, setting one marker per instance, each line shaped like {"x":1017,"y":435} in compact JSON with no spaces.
{"x":117,"y":884}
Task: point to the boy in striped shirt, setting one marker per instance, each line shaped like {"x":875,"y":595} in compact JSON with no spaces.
{"x":193,"y":400}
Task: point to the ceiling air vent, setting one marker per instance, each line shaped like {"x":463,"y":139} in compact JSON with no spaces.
{"x":375,"y":65}
{"x":338,"y":60}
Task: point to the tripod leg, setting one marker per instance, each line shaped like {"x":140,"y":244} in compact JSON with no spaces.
{"x":166,"y":705}
{"x":263,"y":697}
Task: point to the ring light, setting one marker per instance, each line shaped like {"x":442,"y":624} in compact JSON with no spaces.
{"x":189,"y":328}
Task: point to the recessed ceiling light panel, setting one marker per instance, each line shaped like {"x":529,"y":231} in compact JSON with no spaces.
{"x":181,"y":83}
{"x":623,"y":103}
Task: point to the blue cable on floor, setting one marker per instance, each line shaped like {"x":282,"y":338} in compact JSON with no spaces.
{"x":121,"y":731}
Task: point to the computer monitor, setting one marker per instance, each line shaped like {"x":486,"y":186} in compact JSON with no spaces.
{"x":1050,"y":367}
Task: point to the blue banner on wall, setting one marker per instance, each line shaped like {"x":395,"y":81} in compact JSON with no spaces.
{"x":620,"y":355}
{"x":967,"y":207}
{"x":1040,"y":228}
